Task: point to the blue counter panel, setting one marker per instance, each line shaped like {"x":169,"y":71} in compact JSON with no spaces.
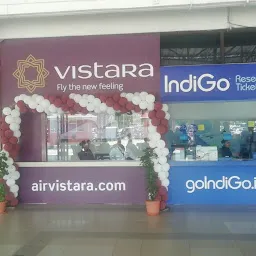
{"x":213,"y":183}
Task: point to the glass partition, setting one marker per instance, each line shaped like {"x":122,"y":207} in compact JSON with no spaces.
{"x":212,"y":131}
{"x":96,"y":136}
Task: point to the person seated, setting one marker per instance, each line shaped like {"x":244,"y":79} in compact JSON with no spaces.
{"x":85,"y":153}
{"x":117,"y":152}
{"x":132,"y":152}
{"x":225,"y":151}
{"x":144,"y":145}
{"x":104,"y":147}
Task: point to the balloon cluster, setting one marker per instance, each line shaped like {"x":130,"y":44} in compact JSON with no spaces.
{"x":76,"y":103}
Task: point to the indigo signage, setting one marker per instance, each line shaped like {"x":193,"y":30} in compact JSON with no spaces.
{"x":208,"y":82}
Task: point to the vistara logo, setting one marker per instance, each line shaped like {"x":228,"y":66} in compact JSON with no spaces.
{"x":31,"y":64}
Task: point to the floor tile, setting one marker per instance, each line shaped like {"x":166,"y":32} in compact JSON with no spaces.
{"x":127,"y":247}
{"x":8,"y":250}
{"x":248,"y":248}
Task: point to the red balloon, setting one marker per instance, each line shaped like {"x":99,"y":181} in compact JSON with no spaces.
{"x":21,"y":104}
{"x":110,"y":102}
{"x":46,"y":96}
{"x":103,"y":98}
{"x":13,"y":140}
{"x":64,"y":98}
{"x":77,"y":107}
{"x":162,"y":191}
{"x":129,"y":106}
{"x":8,"y":147}
{"x":116,"y":97}
{"x":158,"y":183}
{"x":123,"y":110}
{"x":9,"y":196}
{"x":165,"y":197}
{"x":4,"y":126}
{"x":158,"y":106}
{"x":2,"y":181}
{"x":152,"y":114}
{"x":137,"y":109}
{"x":65,"y":108}
{"x":52,"y":99}
{"x":4,"y":140}
{"x":122,"y":101}
{"x":84,"y":111}
{"x":16,"y":147}
{"x":24,"y":109}
{"x":116,"y":107}
{"x":158,"y":198}
{"x":162,"y":205}
{"x":161,"y":129}
{"x":155,"y":121}
{"x":14,"y":202}
{"x":8,"y":133}
{"x":57,"y":103}
{"x":164,"y":122}
{"x":160,"y":114}
{"x":70,"y":102}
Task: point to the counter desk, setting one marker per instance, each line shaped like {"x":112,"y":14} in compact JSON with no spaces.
{"x":227,"y":182}
{"x":78,"y":183}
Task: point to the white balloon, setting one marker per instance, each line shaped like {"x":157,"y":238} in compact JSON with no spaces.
{"x":123,"y":94}
{"x":150,"y":106}
{"x":85,"y":96}
{"x":34,"y":96}
{"x":152,"y":144}
{"x":162,"y":176}
{"x":91,"y":98}
{"x":157,"y":151}
{"x":17,"y":134}
{"x":52,"y":108}
{"x":165,"y":152}
{"x":14,"y":127}
{"x":15,"y":194}
{"x":77,"y":98}
{"x":15,"y":175}
{"x":150,"y":98}
{"x":11,"y":168}
{"x":45,"y":103}
{"x":162,"y":160}
{"x":151,"y":129}
{"x":136,"y":94}
{"x":14,"y":188}
{"x":27,"y":99}
{"x":32,"y":105}
{"x":103,"y":107}
{"x":9,"y":161}
{"x":6,"y":153}
{"x":83,"y":102}
{"x":110,"y":111}
{"x":17,"y":120}
{"x":22,"y":97}
{"x":143,"y":95}
{"x":167,"y":116}
{"x":9,"y":119}
{"x":10,"y":182}
{"x":39,"y":99}
{"x":166,"y":167}
{"x":143,"y":105}
{"x":7,"y":111}
{"x":15,"y":113}
{"x":6,"y":177}
{"x":97,"y":109}
{"x":157,"y":168}
{"x":165,"y":182}
{"x":17,"y":98}
{"x":136,"y":100}
{"x":96,"y":102}
{"x":129,"y":96}
{"x":165,"y":107}
{"x":90,"y":107}
{"x":39,"y":109}
{"x":72,"y":96}
{"x":60,"y":111}
{"x":155,"y":136}
{"x":161,"y":144}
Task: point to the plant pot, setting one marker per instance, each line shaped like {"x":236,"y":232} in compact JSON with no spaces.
{"x":2,"y":207}
{"x":153,"y":208}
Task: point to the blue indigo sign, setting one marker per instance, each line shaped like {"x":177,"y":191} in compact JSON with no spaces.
{"x":208,"y":82}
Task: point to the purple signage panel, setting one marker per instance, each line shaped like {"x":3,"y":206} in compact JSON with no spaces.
{"x":88,"y":64}
{"x":82,"y":185}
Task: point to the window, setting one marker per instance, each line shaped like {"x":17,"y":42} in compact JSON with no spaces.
{"x":96,"y":137}
{"x":212,"y":131}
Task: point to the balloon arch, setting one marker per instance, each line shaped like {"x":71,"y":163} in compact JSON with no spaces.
{"x":76,"y":103}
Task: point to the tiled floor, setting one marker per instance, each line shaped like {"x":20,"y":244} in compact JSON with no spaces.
{"x":126,"y":231}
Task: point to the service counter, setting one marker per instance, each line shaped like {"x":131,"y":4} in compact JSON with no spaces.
{"x":227,"y":182}
{"x":78,"y":183}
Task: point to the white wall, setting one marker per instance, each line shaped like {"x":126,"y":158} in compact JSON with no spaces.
{"x":21,"y":7}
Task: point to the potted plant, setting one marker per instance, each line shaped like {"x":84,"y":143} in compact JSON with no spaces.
{"x":146,"y":161}
{"x":3,"y":172}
